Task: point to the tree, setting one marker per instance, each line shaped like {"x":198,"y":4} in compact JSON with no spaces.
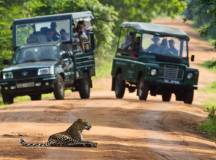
{"x":203,"y":13}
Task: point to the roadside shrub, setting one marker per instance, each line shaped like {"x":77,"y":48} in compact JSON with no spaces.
{"x":209,"y":126}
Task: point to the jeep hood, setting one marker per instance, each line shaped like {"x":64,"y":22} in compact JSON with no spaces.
{"x":29,"y":65}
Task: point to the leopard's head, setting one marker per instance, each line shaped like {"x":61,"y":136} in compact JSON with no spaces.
{"x":81,"y":125}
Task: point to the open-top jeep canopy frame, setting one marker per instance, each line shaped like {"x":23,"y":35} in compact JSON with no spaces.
{"x":73,"y":17}
{"x":156,"y":29}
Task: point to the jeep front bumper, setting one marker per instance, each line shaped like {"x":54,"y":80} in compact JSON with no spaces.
{"x":43,"y":84}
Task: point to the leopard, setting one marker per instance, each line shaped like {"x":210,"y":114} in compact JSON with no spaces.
{"x":72,"y":137}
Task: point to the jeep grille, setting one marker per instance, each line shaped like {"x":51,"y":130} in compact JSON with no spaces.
{"x":171,"y":72}
{"x":23,"y":73}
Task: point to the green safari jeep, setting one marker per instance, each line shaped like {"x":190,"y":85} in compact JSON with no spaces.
{"x":50,"y":55}
{"x":153,"y":59}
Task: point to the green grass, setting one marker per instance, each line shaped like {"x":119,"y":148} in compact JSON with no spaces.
{"x":103,"y":66}
{"x":211,"y":88}
{"x":209,"y":125}
{"x":210,"y":65}
{"x":209,"y":104}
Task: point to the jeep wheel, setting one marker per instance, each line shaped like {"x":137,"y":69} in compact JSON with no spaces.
{"x":142,"y":89}
{"x":188,"y":97}
{"x":119,"y":86}
{"x":7,"y":99}
{"x":84,"y":87}
{"x":59,"y":88}
{"x":166,"y":97}
{"x":36,"y":97}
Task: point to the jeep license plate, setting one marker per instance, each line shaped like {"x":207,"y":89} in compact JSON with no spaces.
{"x":171,"y":81}
{"x":25,"y":85}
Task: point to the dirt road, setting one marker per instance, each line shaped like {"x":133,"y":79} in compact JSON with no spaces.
{"x":124,"y":129}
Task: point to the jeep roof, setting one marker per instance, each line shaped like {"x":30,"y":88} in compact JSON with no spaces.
{"x":156,"y":29}
{"x":74,"y":16}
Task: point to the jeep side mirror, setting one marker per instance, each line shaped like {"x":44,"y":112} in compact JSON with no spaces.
{"x":192,"y":58}
{"x":6,"y":62}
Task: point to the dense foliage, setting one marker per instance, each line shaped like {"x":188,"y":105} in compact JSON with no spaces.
{"x":203,"y":13}
{"x":108,"y":13}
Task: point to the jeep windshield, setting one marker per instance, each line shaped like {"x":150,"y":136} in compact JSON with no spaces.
{"x":164,"y":45}
{"x":36,"y":54}
{"x":42,"y":32}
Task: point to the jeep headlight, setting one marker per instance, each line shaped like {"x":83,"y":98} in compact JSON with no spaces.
{"x":153,"y":72}
{"x":7,"y":75}
{"x":189,"y":75}
{"x":46,"y":71}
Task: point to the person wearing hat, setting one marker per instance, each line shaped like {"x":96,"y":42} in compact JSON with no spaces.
{"x":155,"y":47}
{"x":172,"y":49}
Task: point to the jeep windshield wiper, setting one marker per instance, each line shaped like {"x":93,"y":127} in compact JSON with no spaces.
{"x":27,"y":61}
{"x":48,"y":59}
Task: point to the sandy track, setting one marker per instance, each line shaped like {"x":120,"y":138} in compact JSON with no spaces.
{"x":124,"y":129}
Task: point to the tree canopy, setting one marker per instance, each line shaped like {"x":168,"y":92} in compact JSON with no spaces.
{"x":108,"y":13}
{"x":203,"y":14}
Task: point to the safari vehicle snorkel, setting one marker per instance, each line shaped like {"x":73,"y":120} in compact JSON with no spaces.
{"x":153,"y":59}
{"x":51,"y":53}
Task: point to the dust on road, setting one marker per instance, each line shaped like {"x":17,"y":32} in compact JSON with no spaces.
{"x":124,"y":129}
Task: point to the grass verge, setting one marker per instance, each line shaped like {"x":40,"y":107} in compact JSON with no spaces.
{"x":210,"y":88}
{"x":208,"y":127}
{"x":103,"y":66}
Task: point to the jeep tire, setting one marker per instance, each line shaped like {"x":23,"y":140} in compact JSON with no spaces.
{"x":166,"y":97}
{"x":7,"y":99}
{"x":119,"y":86}
{"x":142,"y":89}
{"x":84,"y":87}
{"x":188,"y":96}
{"x":59,"y":88}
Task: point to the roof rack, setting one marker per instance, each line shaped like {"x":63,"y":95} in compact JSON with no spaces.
{"x":156,"y":29}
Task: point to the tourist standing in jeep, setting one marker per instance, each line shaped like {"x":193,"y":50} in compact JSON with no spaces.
{"x":155,"y":60}
{"x":49,"y":57}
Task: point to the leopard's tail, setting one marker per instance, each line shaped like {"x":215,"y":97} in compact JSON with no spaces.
{"x":23,"y":143}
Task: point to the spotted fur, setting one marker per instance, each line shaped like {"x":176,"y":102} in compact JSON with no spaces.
{"x":72,"y":137}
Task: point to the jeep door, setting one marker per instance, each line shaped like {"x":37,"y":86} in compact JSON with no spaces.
{"x":67,"y":63}
{"x":128,"y":50}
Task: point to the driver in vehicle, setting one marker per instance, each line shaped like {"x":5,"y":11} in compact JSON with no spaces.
{"x":29,"y":57}
{"x":164,"y":46}
{"x":155,"y":47}
{"x":172,"y":49}
{"x":54,"y":35}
